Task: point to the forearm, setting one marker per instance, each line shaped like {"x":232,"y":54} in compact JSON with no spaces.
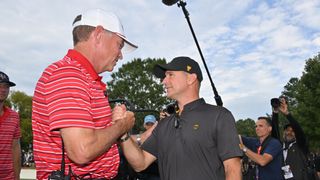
{"x":275,"y":125}
{"x":257,"y":158}
{"x":84,"y":144}
{"x":232,"y":169}
{"x":16,"y":151}
{"x":137,"y":158}
{"x":299,"y":133}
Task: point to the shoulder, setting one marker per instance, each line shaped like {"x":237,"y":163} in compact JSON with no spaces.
{"x":65,"y":71}
{"x":275,"y":141}
{"x":11,"y":112}
{"x":215,"y":109}
{"x":273,"y":147}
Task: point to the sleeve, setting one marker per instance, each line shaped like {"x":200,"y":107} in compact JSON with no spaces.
{"x":273,"y":148}
{"x":227,"y":136}
{"x":150,"y":144}
{"x":299,"y":133}
{"x":17,"y":131}
{"x":250,"y":143}
{"x":68,"y":99}
{"x":275,"y":126}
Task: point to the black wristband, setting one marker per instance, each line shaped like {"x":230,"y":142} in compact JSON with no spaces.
{"x":123,"y":139}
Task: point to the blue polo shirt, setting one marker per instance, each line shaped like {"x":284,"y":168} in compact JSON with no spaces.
{"x":273,"y":169}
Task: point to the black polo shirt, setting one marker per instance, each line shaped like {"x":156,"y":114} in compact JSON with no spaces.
{"x":197,"y":148}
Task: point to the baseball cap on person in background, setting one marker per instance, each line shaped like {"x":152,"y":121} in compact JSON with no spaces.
{"x":109,"y":21}
{"x":149,"y":119}
{"x":181,"y":63}
{"x":5,"y":79}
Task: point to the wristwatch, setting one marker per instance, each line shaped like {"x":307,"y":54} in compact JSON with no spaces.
{"x":244,"y":149}
{"x":123,"y":139}
{"x":139,"y":139}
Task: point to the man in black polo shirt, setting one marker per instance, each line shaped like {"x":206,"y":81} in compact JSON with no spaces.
{"x":198,"y":142}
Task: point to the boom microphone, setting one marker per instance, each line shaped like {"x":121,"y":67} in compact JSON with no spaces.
{"x":169,"y":2}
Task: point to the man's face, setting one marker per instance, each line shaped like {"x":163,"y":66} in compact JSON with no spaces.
{"x":289,"y":134}
{"x":4,"y":91}
{"x":262,"y":128}
{"x":175,"y":83}
{"x":148,"y":125}
{"x":110,"y":50}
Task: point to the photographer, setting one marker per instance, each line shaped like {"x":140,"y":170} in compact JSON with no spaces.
{"x":295,"y":147}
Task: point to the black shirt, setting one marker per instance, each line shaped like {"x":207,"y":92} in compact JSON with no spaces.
{"x":206,"y":136}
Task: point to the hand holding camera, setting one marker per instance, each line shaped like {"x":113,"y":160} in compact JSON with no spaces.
{"x":280,"y":104}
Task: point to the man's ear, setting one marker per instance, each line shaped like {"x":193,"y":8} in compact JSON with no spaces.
{"x":192,"y":78}
{"x":97,"y":33}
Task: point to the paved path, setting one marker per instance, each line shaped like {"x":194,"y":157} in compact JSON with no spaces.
{"x":27,"y":173}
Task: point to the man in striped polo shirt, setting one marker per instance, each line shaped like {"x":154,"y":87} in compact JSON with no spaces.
{"x":70,"y":103}
{"x":10,"y":152}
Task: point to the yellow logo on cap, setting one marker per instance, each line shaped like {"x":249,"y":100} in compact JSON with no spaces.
{"x":188,"y":68}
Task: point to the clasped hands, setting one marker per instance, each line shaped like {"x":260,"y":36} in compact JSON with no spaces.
{"x":124,"y":118}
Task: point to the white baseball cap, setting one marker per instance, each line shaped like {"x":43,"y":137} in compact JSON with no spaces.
{"x":109,"y":21}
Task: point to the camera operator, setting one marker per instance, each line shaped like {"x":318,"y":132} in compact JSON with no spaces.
{"x":295,"y":147}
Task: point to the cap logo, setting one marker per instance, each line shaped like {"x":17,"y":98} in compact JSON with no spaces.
{"x":78,"y":18}
{"x":188,"y":68}
{"x":3,"y":77}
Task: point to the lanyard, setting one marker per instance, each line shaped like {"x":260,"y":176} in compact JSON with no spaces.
{"x":285,"y":151}
{"x":257,"y":168}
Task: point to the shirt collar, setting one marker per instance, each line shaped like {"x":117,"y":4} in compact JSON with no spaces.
{"x":194,"y":104}
{"x":75,"y":55}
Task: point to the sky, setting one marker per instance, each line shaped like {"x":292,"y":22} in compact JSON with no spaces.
{"x":251,"y":47}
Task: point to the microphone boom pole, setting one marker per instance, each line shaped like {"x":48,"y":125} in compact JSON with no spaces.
{"x":217,"y":97}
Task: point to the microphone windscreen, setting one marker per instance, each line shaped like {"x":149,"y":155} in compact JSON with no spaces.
{"x":169,"y":2}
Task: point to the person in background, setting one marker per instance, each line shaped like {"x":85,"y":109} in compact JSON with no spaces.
{"x":198,"y":142}
{"x":10,"y":150}
{"x":148,"y":124}
{"x":71,"y":112}
{"x":295,"y":146}
{"x":265,"y":151}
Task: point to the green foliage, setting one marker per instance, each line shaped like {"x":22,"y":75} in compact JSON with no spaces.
{"x":246,"y":127}
{"x":304,"y":100}
{"x":22,"y":103}
{"x":135,"y":82}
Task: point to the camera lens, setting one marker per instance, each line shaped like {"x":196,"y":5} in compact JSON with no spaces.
{"x":170,"y":109}
{"x":275,"y":103}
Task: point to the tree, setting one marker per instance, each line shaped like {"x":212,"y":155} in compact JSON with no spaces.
{"x":22,"y":103}
{"x":304,"y":99}
{"x":135,"y":82}
{"x":246,"y":127}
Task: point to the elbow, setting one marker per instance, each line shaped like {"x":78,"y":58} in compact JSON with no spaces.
{"x":80,"y":156}
{"x":263,"y":163}
{"x":138,"y":166}
{"x":139,"y":169}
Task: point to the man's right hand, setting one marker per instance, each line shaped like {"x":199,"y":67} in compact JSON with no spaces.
{"x":125,"y":119}
{"x":283,"y":106}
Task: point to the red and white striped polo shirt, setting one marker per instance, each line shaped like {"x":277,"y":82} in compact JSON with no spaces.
{"x":70,"y":94}
{"x":9,"y":130}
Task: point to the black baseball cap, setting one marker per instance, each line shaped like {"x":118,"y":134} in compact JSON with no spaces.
{"x":181,"y":63}
{"x":5,"y":79}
